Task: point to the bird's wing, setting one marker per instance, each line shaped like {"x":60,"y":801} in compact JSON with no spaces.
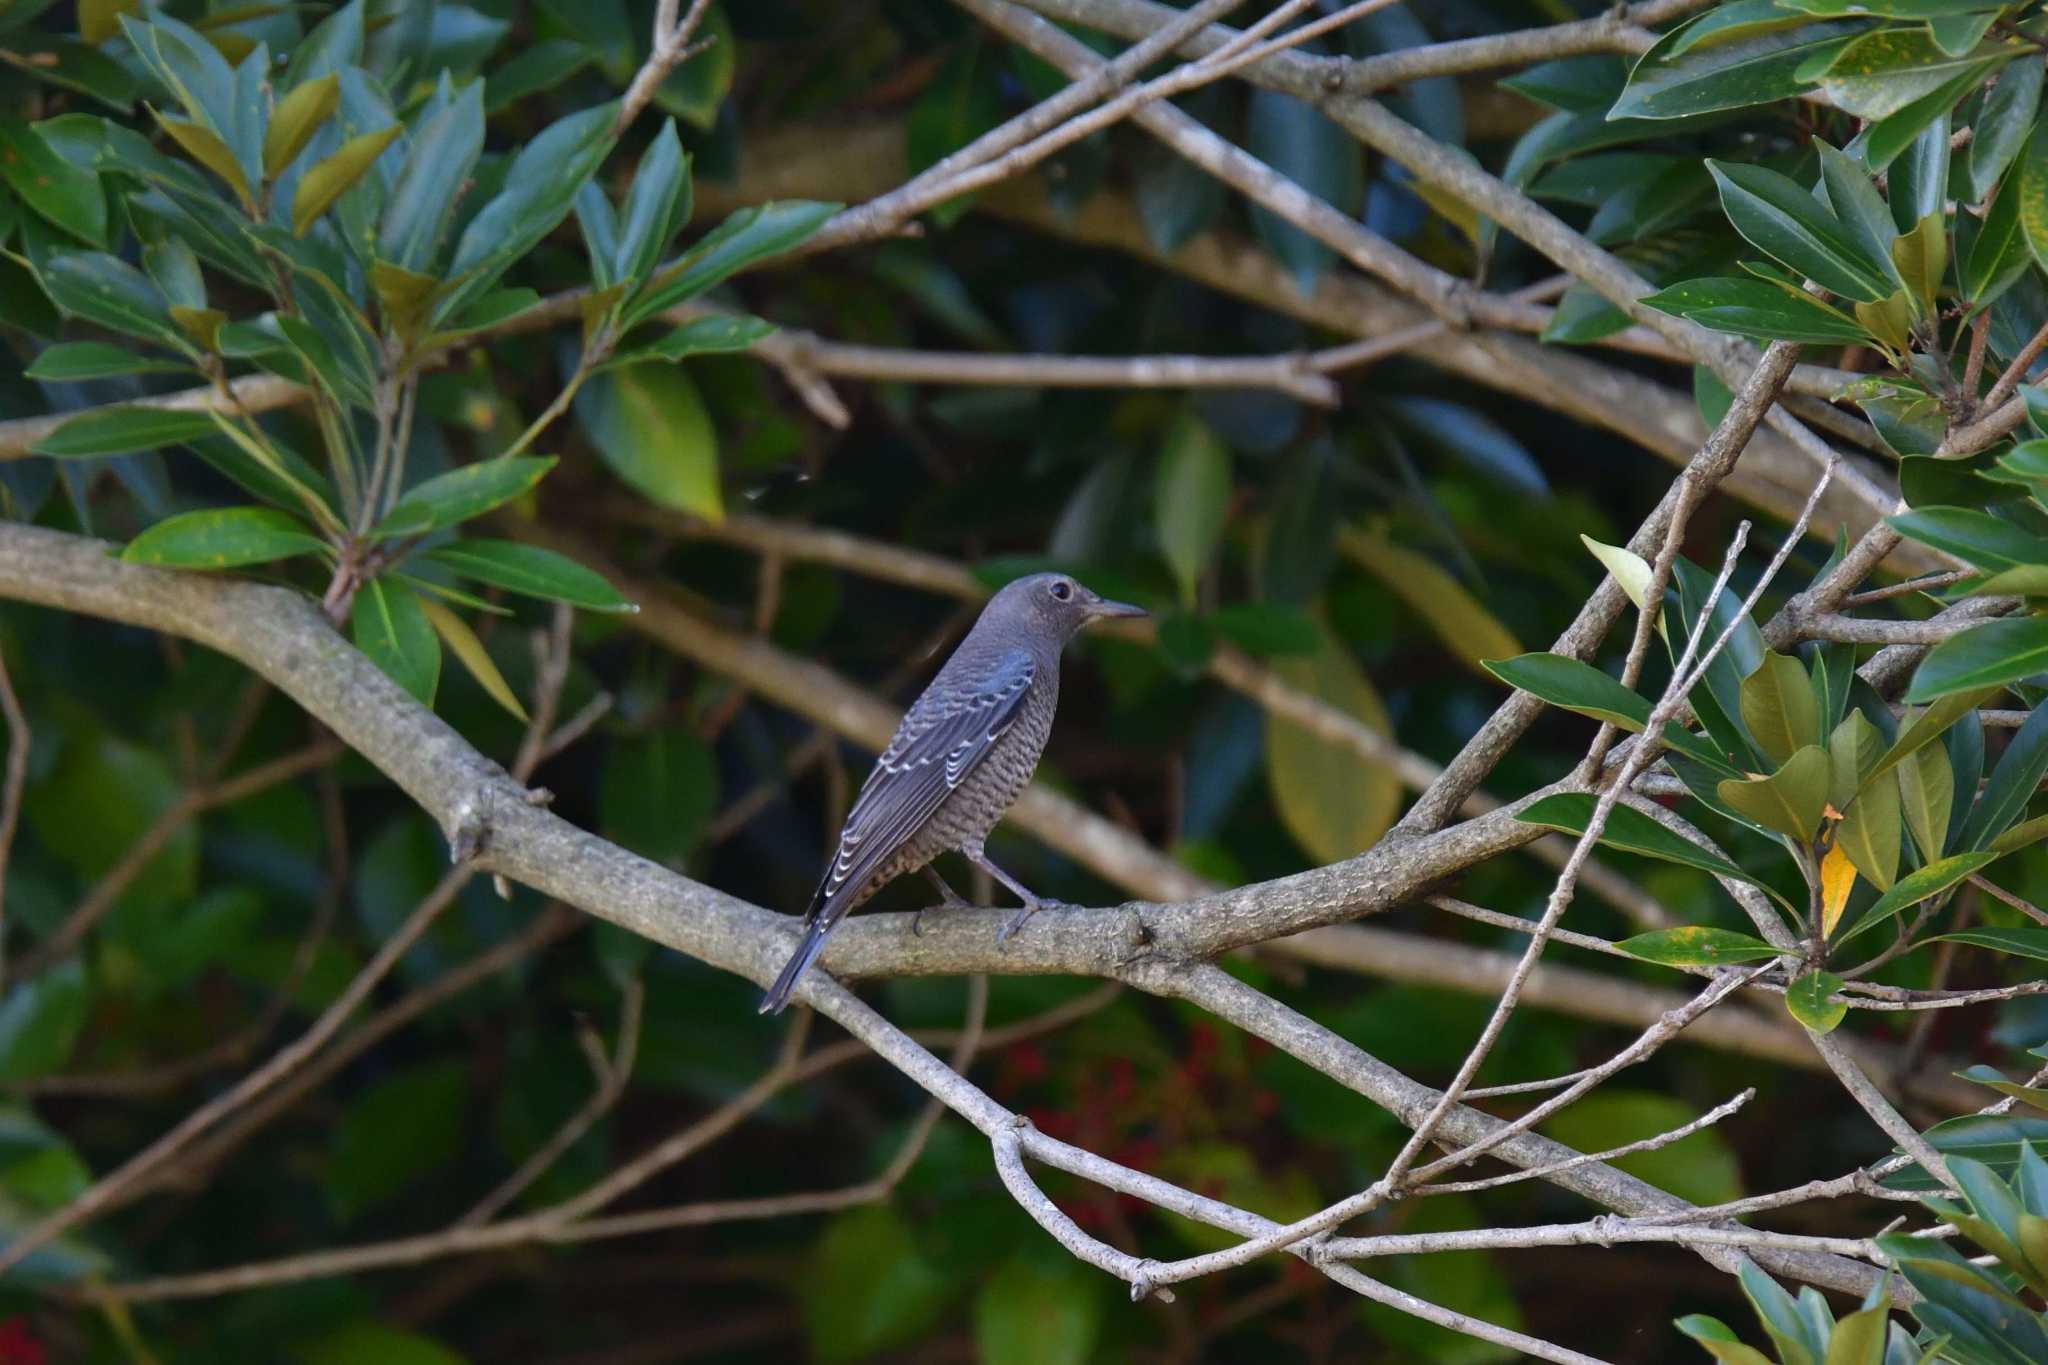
{"x":936,"y":747}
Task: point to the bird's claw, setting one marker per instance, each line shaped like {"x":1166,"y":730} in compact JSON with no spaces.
{"x":1016,"y":921}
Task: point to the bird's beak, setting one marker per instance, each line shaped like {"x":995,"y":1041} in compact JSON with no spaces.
{"x":1102,"y":606}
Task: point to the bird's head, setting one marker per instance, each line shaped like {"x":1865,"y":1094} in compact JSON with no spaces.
{"x":1055,"y":604}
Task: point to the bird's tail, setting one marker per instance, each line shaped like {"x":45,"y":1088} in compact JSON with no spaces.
{"x":799,"y":962}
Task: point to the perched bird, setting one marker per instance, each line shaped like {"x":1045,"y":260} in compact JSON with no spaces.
{"x":963,"y":754}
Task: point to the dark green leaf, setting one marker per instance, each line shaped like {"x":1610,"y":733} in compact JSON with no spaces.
{"x":373,"y":1343}
{"x":401,"y":1130}
{"x":1754,"y":63}
{"x":1578,"y":686}
{"x":1990,"y":655}
{"x":2002,"y":125}
{"x":1992,"y":255}
{"x":2011,"y":785}
{"x":1759,"y":309}
{"x":1988,"y":541}
{"x":451,"y":498}
{"x":52,"y":186}
{"x":69,"y":361}
{"x":1300,"y":142}
{"x":223,"y":538}
{"x":1790,"y":226}
{"x":868,"y":1288}
{"x":650,"y":426}
{"x":1697,"y":946}
{"x":388,"y":625}
{"x":701,"y":336}
{"x":108,"y":291}
{"x":1628,"y":830}
{"x":437,"y":167}
{"x":2022,"y":942}
{"x":121,"y":430}
{"x":746,"y":238}
{"x":656,"y":207}
{"x":1859,"y":209}
{"x":531,"y":571}
{"x":39,"y":1021}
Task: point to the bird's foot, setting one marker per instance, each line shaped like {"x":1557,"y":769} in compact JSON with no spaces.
{"x":1016,"y":921}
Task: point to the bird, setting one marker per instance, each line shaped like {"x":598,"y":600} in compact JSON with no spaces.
{"x":962,"y":755}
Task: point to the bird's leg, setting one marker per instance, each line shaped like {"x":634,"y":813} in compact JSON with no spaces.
{"x":1032,"y":903}
{"x":949,"y":899}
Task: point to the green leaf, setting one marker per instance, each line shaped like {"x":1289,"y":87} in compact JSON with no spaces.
{"x":1755,"y":61}
{"x":328,"y":180}
{"x":2032,"y":1096}
{"x":530,"y":571}
{"x":1884,"y":140}
{"x":2012,"y":783}
{"x":1926,"y":726}
{"x":111,"y":293}
{"x":1629,"y":570}
{"x":1334,"y":802}
{"x":452,"y":498}
{"x":1039,"y":1309}
{"x":1790,"y":226}
{"x":463,"y":644}
{"x":1989,"y":542}
{"x":656,"y":207}
{"x":123,"y":429}
{"x":868,"y":1288}
{"x":1628,"y":830}
{"x":539,"y":189}
{"x":1927,"y":787}
{"x":1790,"y":1330}
{"x":1994,"y":255}
{"x":1990,"y":655}
{"x":1578,"y":686}
{"x":1889,"y":68}
{"x":1191,"y":499}
{"x":1697,"y":946}
{"x":437,"y":167}
{"x":70,"y":361}
{"x":1854,"y":750}
{"x":2022,"y":835}
{"x":1303,"y":144}
{"x":389,"y":625}
{"x":2023,"y":942}
{"x":52,"y":186}
{"x":1758,"y":309}
{"x":657,"y":793}
{"x":223,"y":538}
{"x":373,"y":1343}
{"x":650,"y":426}
{"x":400,"y":1130}
{"x":1807,"y":1000}
{"x":1719,"y":1342}
{"x":40,"y":1019}
{"x":1859,"y":208}
{"x":2033,"y":191}
{"x":297,"y":117}
{"x":2001,"y":127}
{"x":1778,"y":707}
{"x":701,"y":336}
{"x":1870,"y":833}
{"x":748,"y":237}
{"x":1915,"y":887}
{"x":1699,"y":1167}
{"x":1790,"y":800}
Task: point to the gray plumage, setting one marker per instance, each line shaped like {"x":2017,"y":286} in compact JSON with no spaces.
{"x":964,"y":753}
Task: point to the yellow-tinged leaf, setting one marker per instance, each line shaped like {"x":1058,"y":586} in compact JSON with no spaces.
{"x":1889,"y":320}
{"x":1454,"y":615}
{"x":1789,"y":801}
{"x":1629,"y":570}
{"x":1449,"y":207}
{"x":1838,"y":878}
{"x":99,"y":20}
{"x":463,"y":644}
{"x":201,"y":324}
{"x":323,"y":184}
{"x":297,"y":117}
{"x":1922,"y":258}
{"x":204,"y":146}
{"x":1331,"y":799}
{"x":403,"y":295}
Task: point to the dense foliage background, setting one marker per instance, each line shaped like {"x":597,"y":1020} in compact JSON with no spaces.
{"x":489,"y":370}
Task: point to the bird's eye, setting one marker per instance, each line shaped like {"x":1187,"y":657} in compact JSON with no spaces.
{"x":1061,"y":589}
